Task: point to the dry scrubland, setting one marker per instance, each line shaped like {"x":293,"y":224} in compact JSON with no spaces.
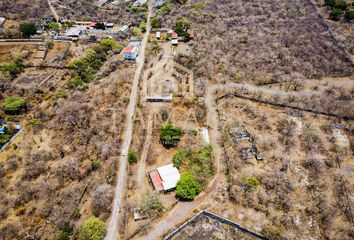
{"x":303,"y":186}
{"x":61,"y":168}
{"x":68,"y":9}
{"x":24,"y":10}
{"x":305,"y":180}
{"x":83,"y":9}
{"x":262,"y":42}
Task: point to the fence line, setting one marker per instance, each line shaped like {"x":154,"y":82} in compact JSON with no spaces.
{"x":218,"y":218}
{"x":283,"y":105}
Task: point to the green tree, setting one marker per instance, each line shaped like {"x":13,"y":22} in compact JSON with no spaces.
{"x":13,"y":69}
{"x":93,"y":229}
{"x":336,"y":14}
{"x":13,"y":105}
{"x":54,"y":26}
{"x":349,"y":15}
{"x":170,"y":135}
{"x":330,"y":3}
{"x":28,"y":29}
{"x":66,"y":232}
{"x":164,"y":10}
{"x":132,"y":158}
{"x":95,"y":164}
{"x":36,"y":121}
{"x":250,"y":183}
{"x":61,"y":93}
{"x":178,"y":158}
{"x":181,"y":27}
{"x":142,"y":26}
{"x":100,"y":25}
{"x":108,"y":44}
{"x":151,"y":204}
{"x":135,"y":31}
{"x":6,"y":136}
{"x":342,"y":5}
{"x":155,"y":23}
{"x":187,"y":187}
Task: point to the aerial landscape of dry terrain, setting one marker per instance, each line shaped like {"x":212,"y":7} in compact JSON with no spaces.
{"x":176,"y":119}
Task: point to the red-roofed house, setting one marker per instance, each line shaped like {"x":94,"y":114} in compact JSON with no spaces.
{"x":174,"y":35}
{"x":130,"y":53}
{"x":174,"y":38}
{"x":165,"y":177}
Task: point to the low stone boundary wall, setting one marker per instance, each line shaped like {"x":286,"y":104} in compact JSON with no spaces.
{"x":218,"y":218}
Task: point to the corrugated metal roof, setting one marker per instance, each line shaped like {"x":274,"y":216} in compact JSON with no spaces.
{"x":156,"y":180}
{"x":169,"y":175}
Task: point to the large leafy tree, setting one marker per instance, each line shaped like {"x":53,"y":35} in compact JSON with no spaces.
{"x":170,"y":135}
{"x":187,"y":187}
{"x":14,"y":104}
{"x":151,"y":204}
{"x":93,"y":229}
{"x":182,"y":25}
{"x":28,"y":29}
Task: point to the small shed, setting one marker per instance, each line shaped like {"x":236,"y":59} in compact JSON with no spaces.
{"x":205,"y":135}
{"x":174,"y":41}
{"x":109,"y":25}
{"x":124,"y":28}
{"x":158,"y":35}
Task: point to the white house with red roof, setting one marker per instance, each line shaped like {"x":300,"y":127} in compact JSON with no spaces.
{"x":130,"y":52}
{"x":165,"y":177}
{"x":174,"y":38}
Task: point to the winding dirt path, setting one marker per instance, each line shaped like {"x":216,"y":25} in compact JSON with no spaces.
{"x":112,"y":231}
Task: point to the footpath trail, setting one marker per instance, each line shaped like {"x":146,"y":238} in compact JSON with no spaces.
{"x":52,"y":9}
{"x":141,"y":168}
{"x":112,"y":231}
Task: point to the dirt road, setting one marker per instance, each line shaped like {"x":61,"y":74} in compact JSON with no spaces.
{"x":112,"y":231}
